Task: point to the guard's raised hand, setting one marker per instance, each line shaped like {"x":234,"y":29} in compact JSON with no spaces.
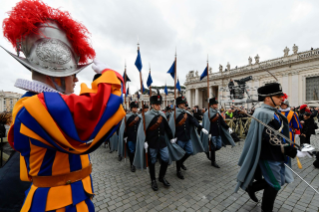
{"x":98,"y":66}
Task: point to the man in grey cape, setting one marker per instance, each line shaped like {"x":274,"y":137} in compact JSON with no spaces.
{"x":264,"y":153}
{"x":184,"y":129}
{"x":158,"y":142}
{"x":218,"y":132}
{"x":128,"y":132}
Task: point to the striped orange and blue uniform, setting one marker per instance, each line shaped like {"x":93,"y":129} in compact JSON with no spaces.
{"x":55,"y":133}
{"x":294,"y":123}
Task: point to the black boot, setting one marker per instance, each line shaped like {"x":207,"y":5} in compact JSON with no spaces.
{"x":256,"y":186}
{"x":183,"y":160}
{"x":162,"y":174}
{"x":268,"y":200}
{"x":154,"y":185}
{"x":120,"y":158}
{"x":207,"y":154}
{"x":152,"y":175}
{"x":131,"y":156}
{"x":178,"y":170}
{"x":213,"y":159}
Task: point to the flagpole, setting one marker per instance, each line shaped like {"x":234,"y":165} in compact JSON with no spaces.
{"x":208,"y":112}
{"x":143,"y":115}
{"x":175,"y":86}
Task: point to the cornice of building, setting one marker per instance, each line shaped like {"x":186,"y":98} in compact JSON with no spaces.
{"x":258,"y":67}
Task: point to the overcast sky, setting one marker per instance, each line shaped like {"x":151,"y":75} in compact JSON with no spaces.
{"x":227,"y":31}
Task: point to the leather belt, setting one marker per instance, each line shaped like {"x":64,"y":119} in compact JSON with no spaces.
{"x":157,"y":124}
{"x":62,"y":179}
{"x":213,"y":120}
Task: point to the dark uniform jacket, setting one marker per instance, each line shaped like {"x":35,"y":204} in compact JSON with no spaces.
{"x":131,"y":128}
{"x":216,"y":124}
{"x":155,"y":137}
{"x":271,"y":152}
{"x":183,"y":131}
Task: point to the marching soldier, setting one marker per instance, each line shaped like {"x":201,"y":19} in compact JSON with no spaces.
{"x":128,"y":131}
{"x":158,"y":143}
{"x":185,"y":131}
{"x":53,"y":129}
{"x":218,"y":132}
{"x":264,"y":153}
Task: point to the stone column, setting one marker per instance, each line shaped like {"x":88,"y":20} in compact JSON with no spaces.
{"x":294,"y":91}
{"x":285,"y":83}
{"x":196,"y":96}
{"x":1,"y":104}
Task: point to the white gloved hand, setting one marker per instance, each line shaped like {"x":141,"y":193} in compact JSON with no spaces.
{"x":98,"y":66}
{"x":205,"y":131}
{"x":125,"y":139}
{"x":297,"y":136}
{"x":145,"y":146}
{"x":230,"y":130}
{"x":173,"y":140}
{"x":209,"y":137}
{"x":301,"y":154}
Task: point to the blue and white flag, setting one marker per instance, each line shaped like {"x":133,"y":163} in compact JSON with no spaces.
{"x":204,"y":74}
{"x":171,"y":71}
{"x":165,"y":90}
{"x":138,"y":61}
{"x":149,"y":80}
{"x":178,"y":86}
{"x":127,"y":78}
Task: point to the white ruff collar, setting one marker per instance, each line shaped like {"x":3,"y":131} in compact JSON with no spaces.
{"x":284,"y":110}
{"x":34,"y":86}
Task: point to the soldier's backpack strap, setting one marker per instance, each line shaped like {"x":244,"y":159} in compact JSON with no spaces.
{"x":157,"y":124}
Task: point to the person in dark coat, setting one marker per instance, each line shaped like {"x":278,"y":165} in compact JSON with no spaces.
{"x":265,"y":154}
{"x":307,"y":128}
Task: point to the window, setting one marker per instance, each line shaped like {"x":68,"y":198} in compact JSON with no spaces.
{"x":312,"y":88}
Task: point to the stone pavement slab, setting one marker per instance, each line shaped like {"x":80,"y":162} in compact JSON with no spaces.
{"x":204,"y":188}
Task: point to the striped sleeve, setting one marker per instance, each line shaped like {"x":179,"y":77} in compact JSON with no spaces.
{"x":74,"y":124}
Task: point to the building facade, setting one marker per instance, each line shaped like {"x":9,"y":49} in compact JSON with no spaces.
{"x":298,"y":73}
{"x":8,"y":100}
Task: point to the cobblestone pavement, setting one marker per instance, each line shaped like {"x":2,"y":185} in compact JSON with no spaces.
{"x":204,"y":188}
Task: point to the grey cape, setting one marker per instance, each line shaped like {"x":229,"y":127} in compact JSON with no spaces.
{"x":249,"y":158}
{"x":196,"y":143}
{"x":174,"y":150}
{"x":114,"y":142}
{"x":121,"y":135}
{"x":226,"y":137}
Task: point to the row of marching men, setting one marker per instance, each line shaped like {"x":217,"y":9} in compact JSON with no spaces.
{"x":169,"y":137}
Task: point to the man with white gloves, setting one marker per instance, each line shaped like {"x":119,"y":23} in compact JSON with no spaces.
{"x":157,"y":141}
{"x":185,"y":129}
{"x":218,"y":132}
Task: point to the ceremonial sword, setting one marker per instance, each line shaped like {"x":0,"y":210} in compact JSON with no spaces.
{"x":282,"y":136}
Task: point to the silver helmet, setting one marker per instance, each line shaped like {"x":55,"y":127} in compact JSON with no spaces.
{"x":286,"y":102}
{"x":48,"y":51}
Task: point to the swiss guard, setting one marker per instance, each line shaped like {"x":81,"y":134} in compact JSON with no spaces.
{"x":185,"y":129}
{"x":156,"y":143}
{"x":292,"y":118}
{"x":264,"y":154}
{"x":218,"y":132}
{"x":128,"y":133}
{"x":53,"y":129}
{"x":168,"y":111}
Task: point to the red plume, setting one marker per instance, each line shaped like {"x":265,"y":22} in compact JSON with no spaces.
{"x":27,"y":13}
{"x":284,"y":97}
